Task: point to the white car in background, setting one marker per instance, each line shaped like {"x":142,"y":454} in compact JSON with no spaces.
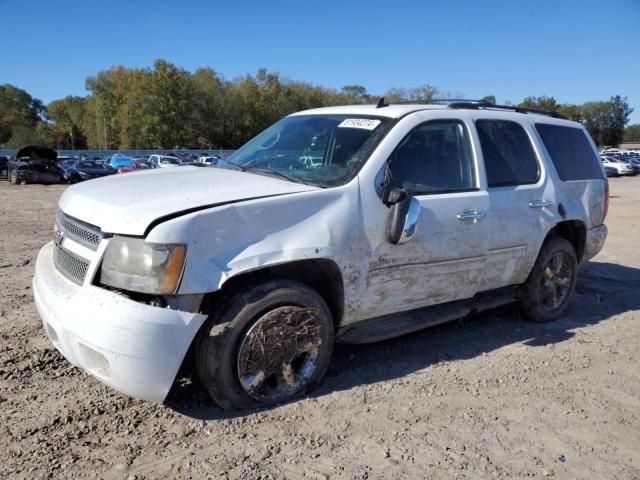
{"x":621,"y":167}
{"x":209,"y":160}
{"x":164,"y":161}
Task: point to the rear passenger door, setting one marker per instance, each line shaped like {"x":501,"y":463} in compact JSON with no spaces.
{"x":522,"y":202}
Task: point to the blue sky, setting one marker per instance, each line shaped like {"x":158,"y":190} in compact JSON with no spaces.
{"x":574,"y":50}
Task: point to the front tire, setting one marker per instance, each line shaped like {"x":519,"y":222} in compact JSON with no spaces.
{"x":548,"y":290}
{"x":265,"y":345}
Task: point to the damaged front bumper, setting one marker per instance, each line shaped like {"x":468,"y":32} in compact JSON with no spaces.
{"x":132,"y":347}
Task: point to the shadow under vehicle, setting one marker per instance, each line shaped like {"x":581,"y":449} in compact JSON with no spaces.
{"x":35,"y":164}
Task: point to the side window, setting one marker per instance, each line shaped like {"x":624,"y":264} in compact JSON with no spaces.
{"x":570,"y":152}
{"x":434,"y":158}
{"x":509,"y":158}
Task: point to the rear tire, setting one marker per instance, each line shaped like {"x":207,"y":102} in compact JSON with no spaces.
{"x":264,"y":345}
{"x":548,"y":290}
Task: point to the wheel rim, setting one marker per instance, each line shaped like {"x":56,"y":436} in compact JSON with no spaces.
{"x":278,"y":355}
{"x":557,"y":276}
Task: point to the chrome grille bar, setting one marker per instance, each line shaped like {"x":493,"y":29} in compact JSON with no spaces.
{"x":85,"y":234}
{"x":70,"y":265}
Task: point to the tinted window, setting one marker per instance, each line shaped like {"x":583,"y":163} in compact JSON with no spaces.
{"x":570,"y":152}
{"x":434,"y":157}
{"x":509,"y":158}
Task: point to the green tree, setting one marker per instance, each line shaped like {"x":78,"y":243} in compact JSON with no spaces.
{"x":20,"y":115}
{"x":540,"y":103}
{"x":68,"y":122}
{"x":631,"y":133}
{"x":572,"y":112}
{"x":358,"y":93}
{"x":424,"y":93}
{"x":5,"y":132}
{"x":489,"y":99}
{"x":606,"y":121}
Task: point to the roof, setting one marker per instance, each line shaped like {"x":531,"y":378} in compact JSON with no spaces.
{"x":399,"y":110}
{"x":391,"y":111}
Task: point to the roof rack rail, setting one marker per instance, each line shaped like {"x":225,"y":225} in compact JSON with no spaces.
{"x":463,"y":103}
{"x":478,"y":104}
{"x":427,"y":101}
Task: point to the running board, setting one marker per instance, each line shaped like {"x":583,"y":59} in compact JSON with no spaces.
{"x":390,"y":326}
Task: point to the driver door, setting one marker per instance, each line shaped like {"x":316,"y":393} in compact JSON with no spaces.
{"x":445,"y":259}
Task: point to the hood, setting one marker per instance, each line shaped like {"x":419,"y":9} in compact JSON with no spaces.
{"x":127,"y":204}
{"x":37,"y":152}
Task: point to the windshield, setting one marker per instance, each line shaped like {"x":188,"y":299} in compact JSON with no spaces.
{"x":143,"y":165}
{"x":322,"y":150}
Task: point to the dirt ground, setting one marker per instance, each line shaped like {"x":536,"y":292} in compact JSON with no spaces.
{"x":486,"y":397}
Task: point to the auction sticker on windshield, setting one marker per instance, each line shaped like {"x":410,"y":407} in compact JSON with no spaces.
{"x":366,"y":123}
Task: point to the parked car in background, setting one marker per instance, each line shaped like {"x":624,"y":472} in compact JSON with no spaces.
{"x":78,"y":170}
{"x":164,"y":161}
{"x":4,"y":161}
{"x":109,"y":160}
{"x":611,"y":171}
{"x":631,"y":161}
{"x":119,"y":163}
{"x":621,"y":167}
{"x":35,"y":164}
{"x":209,"y":161}
{"x":134,"y":165}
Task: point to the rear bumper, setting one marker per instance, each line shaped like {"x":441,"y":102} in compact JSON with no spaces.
{"x":134,"y":348}
{"x":594,"y":242}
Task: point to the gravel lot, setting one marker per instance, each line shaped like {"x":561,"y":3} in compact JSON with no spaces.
{"x":486,"y":397}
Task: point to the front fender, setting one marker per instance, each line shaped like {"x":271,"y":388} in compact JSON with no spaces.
{"x":225,"y":241}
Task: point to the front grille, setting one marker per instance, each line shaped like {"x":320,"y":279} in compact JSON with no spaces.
{"x":70,"y":265}
{"x":87,"y":235}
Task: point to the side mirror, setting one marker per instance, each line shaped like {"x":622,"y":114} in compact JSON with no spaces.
{"x":403,"y":217}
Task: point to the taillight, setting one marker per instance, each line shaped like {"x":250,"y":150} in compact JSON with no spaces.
{"x":606,"y":199}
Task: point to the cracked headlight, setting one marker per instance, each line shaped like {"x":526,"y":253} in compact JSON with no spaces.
{"x":135,"y":265}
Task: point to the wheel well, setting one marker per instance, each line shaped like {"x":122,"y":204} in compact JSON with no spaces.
{"x":322,"y":275}
{"x":573,"y":230}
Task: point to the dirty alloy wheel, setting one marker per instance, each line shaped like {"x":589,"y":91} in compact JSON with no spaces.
{"x":13,"y":177}
{"x":264,"y":345}
{"x":548,"y":290}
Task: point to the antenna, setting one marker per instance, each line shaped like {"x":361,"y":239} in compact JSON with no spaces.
{"x":381,"y":103}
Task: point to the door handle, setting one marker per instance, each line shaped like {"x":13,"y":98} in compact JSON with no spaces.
{"x":540,"y":204}
{"x":473,"y":215}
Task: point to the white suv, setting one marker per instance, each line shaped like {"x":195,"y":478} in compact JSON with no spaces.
{"x":164,"y":161}
{"x":350,"y":224}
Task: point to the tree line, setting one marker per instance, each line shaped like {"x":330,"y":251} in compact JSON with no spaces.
{"x":167,"y":106}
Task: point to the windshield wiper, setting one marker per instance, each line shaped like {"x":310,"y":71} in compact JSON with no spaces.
{"x":235,"y":165}
{"x":266,"y":169}
{"x":259,"y":167}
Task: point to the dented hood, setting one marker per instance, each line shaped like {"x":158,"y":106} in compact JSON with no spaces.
{"x":129,"y":203}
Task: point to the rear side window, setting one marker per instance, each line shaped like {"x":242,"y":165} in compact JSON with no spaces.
{"x":509,"y":158}
{"x":570,"y":152}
